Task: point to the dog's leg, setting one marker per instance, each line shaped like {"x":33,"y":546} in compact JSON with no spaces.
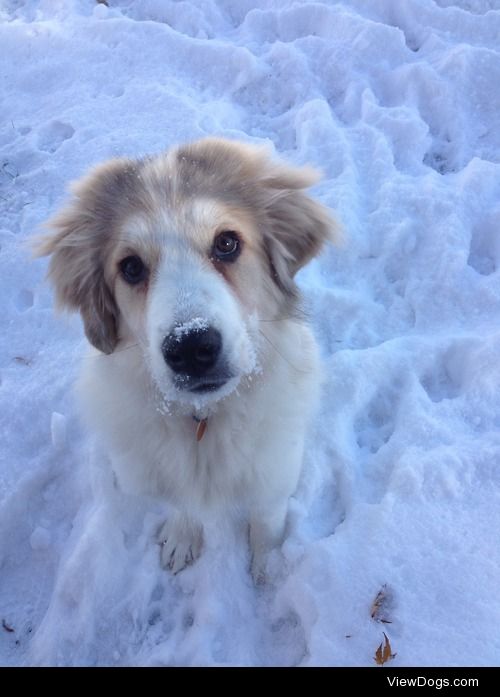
{"x":280,"y":465}
{"x":181,"y":539}
{"x":267,"y":530}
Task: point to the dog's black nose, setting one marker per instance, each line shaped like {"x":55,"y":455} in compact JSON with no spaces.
{"x":194,"y":353}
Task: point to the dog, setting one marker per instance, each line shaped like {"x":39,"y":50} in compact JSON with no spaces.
{"x":204,"y":374}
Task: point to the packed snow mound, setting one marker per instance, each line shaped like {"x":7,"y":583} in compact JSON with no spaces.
{"x":398,"y":103}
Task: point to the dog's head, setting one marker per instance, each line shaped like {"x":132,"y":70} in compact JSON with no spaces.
{"x":185,"y":253}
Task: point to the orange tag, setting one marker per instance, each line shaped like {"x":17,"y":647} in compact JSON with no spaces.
{"x":200,"y":429}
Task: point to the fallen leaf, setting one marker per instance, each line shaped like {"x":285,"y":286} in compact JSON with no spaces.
{"x":384,"y":652}
{"x":23,"y":360}
{"x":380,"y":605}
{"x":379,"y":599}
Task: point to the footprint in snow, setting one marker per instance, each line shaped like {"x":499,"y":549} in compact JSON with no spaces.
{"x":52,"y":135}
{"x":25,"y":300}
{"x":442,"y":381}
{"x":484,"y":253}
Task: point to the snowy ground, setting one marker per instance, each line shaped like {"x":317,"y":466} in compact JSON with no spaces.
{"x":398,"y":101}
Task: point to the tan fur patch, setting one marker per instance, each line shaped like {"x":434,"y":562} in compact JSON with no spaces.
{"x":191,"y":194}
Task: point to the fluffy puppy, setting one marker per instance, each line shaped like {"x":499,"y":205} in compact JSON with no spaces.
{"x":182,"y":267}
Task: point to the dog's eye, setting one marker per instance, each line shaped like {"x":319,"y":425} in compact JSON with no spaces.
{"x":227,"y":246}
{"x":133,"y":270}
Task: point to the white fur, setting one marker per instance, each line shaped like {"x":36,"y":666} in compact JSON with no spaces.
{"x":249,"y":459}
{"x":168,"y":211}
{"x":187,"y":294}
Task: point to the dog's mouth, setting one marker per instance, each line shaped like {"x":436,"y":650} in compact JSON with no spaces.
{"x":208,"y":386}
{"x":202,"y":385}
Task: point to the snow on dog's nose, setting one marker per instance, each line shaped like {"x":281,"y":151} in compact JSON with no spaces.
{"x":193,"y":353}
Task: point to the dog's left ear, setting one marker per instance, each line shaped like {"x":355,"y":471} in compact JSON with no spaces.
{"x":77,"y":248}
{"x":296,"y":226}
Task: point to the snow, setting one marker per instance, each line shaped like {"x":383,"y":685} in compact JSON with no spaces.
{"x":399,"y":104}
{"x":196,"y":324}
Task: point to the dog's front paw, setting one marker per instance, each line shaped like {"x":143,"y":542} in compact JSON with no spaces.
{"x":267,"y":528}
{"x":258,"y":569}
{"x":181,"y":540}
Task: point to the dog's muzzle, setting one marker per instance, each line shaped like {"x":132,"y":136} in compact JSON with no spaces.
{"x":196,"y":359}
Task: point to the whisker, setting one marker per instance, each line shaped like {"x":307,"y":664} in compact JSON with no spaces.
{"x":126,"y":348}
{"x":276,"y":319}
{"x":280,"y":354}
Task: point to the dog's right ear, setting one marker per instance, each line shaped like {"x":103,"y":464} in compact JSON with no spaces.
{"x":78,"y":247}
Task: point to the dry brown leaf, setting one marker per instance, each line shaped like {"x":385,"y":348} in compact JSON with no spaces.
{"x":379,"y":599}
{"x":23,"y":360}
{"x":379,"y":606}
{"x":384,"y":652}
